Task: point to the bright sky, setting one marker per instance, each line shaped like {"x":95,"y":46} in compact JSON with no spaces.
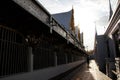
{"x":86,"y":12}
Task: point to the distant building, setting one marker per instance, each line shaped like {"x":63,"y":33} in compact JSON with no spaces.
{"x":107,"y":46}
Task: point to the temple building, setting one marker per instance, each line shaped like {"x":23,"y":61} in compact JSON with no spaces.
{"x":66,"y":19}
{"x":34,"y":45}
{"x":107,"y":46}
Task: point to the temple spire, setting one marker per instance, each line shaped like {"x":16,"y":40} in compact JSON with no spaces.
{"x":72,"y":26}
{"x":95,"y":33}
{"x":95,"y":39}
{"x":110,"y":10}
{"x":79,"y":37}
{"x":95,"y":30}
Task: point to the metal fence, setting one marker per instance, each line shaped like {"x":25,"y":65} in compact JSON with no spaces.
{"x":16,"y":56}
{"x":43,"y":57}
{"x":13,"y":52}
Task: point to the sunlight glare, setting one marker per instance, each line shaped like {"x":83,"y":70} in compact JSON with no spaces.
{"x":86,"y":20}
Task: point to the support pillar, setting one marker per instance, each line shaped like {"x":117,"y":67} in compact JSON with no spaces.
{"x":72,"y":57}
{"x":55,"y":56}
{"x":30,"y":59}
{"x":107,"y":66}
{"x":66,"y":58}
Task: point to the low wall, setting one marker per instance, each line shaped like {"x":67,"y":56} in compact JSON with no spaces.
{"x":44,"y":74}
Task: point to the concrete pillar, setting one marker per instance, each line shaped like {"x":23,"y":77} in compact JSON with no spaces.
{"x":51,"y":29}
{"x":55,"y":55}
{"x":72,"y":57}
{"x":66,"y":58}
{"x":107,"y":66}
{"x":30,"y":59}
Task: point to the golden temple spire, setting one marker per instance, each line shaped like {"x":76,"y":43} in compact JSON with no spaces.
{"x":72,"y":26}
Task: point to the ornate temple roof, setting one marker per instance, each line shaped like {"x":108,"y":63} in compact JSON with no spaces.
{"x":63,"y":19}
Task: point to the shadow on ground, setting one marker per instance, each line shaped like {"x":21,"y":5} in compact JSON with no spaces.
{"x":81,"y":72}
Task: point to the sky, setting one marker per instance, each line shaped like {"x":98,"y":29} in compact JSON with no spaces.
{"x":87,"y":14}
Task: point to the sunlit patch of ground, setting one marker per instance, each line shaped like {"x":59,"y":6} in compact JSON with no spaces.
{"x":98,"y":75}
{"x":93,"y":69}
{"x":90,"y":72}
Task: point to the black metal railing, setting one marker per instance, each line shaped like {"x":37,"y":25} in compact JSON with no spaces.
{"x":13,"y":52}
{"x":19,"y":54}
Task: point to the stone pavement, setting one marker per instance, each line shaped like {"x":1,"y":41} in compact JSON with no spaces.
{"x":87,"y":73}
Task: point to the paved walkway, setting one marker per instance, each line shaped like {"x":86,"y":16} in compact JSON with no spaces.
{"x":87,"y":73}
{"x":91,"y":73}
